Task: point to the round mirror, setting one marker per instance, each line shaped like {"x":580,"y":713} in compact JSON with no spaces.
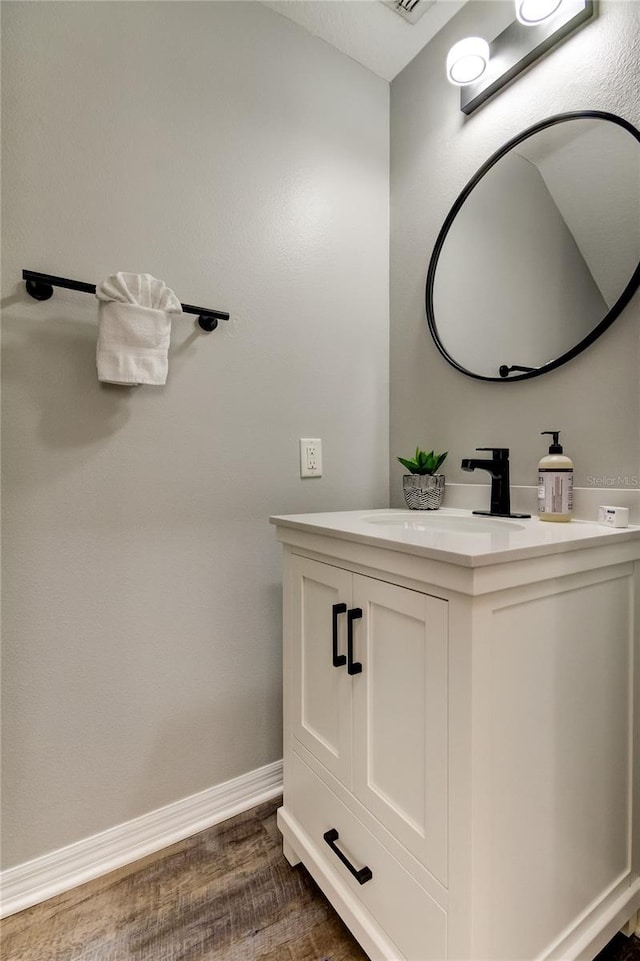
{"x":541,"y":250}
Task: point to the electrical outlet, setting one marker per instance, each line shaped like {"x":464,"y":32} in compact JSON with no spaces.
{"x":310,"y":457}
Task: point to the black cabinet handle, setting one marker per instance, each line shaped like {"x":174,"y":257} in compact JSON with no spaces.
{"x":338,"y":659}
{"x":353,"y":667}
{"x":362,"y":875}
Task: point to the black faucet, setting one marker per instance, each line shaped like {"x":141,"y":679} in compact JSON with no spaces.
{"x":498,"y":467}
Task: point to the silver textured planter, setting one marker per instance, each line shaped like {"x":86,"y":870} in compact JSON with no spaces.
{"x":423,"y":492}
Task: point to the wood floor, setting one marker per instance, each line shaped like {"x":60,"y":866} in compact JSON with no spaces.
{"x":226,"y":894}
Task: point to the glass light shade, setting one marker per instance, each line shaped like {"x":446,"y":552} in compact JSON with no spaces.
{"x":535,"y":11}
{"x":467,"y":60}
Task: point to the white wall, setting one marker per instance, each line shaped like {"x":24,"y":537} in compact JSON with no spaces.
{"x":435,"y":150}
{"x":221,"y":148}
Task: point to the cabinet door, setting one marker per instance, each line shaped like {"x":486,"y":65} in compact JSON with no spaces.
{"x":321,"y":690}
{"x":400,"y":716}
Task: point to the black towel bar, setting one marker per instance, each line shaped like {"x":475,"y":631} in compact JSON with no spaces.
{"x":40,"y":287}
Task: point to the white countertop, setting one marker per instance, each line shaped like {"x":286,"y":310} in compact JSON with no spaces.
{"x":476,"y":541}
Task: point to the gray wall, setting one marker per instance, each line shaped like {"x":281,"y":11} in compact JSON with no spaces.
{"x":221,"y":148}
{"x":595,"y":399}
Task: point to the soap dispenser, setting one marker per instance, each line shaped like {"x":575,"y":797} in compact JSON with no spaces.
{"x":555,"y":483}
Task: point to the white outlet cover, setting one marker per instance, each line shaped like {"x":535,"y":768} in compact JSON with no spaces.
{"x":310,"y":457}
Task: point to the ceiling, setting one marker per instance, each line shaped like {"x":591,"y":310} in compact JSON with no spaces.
{"x":367,"y":30}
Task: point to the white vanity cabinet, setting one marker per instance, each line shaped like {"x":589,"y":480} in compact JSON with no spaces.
{"x":368,"y":688}
{"x":369,"y":697}
{"x":459,"y":735}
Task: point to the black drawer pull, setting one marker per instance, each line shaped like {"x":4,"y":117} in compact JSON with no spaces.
{"x":338,"y":659}
{"x":362,"y":875}
{"x":353,"y":667}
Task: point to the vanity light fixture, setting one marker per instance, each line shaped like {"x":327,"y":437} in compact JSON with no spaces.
{"x":539,"y":26}
{"x":467,"y":60}
{"x":535,"y":11}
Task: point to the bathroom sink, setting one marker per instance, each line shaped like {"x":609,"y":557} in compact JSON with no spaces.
{"x":452,"y":535}
{"x":441,"y":521}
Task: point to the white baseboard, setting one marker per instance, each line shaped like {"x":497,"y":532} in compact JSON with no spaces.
{"x":34,"y":881}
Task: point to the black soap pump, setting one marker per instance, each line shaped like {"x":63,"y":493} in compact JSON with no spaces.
{"x":555,"y":483}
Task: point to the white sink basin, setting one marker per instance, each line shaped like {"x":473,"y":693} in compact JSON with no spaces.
{"x":455,"y":536}
{"x":437,"y":521}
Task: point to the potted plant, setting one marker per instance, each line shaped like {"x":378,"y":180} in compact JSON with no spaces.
{"x":423,"y":487}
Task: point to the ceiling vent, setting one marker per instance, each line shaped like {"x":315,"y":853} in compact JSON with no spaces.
{"x":410,"y":10}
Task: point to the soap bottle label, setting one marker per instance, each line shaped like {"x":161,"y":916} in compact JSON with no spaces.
{"x":555,"y":491}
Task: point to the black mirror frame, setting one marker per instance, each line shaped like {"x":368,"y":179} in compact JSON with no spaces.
{"x":609,"y":318}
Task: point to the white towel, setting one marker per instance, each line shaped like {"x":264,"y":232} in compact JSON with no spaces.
{"x":134,"y":329}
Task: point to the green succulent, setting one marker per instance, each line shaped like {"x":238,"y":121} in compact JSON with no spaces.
{"x":424,"y":463}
